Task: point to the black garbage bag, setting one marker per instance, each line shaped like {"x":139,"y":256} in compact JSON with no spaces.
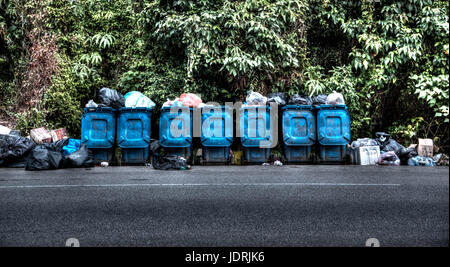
{"x":44,"y":157}
{"x":82,"y":158}
{"x":406,"y":153}
{"x":319,"y":100}
{"x":13,"y":148}
{"x":297,"y":99}
{"x":387,"y":144}
{"x":111,"y":98}
{"x":279,"y":98}
{"x":166,"y":162}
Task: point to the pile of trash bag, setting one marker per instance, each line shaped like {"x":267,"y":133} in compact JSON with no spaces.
{"x":135,"y":99}
{"x":81,"y":158}
{"x":279,"y":98}
{"x":49,"y":156}
{"x":166,"y":162}
{"x":14,"y":149}
{"x":46,"y":156}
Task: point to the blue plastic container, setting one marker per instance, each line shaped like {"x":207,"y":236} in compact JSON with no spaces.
{"x":133,"y":133}
{"x":72,"y":146}
{"x":216,"y":137}
{"x":256,"y":133}
{"x":333,"y":132}
{"x":98,"y":131}
{"x":299,"y":133}
{"x":177,"y":141}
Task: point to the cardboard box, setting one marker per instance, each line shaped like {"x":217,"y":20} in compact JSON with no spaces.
{"x":425,"y":147}
{"x":58,"y":134}
{"x":365,"y":155}
{"x":40,"y":135}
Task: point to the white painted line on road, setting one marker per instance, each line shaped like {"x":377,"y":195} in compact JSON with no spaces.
{"x":181,"y":185}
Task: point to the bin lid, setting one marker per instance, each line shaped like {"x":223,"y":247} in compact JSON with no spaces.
{"x":137,"y":109}
{"x":303,"y":107}
{"x":331,"y":107}
{"x":99,"y":109}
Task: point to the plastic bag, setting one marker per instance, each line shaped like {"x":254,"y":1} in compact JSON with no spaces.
{"x":421,"y":161}
{"x":254,"y":98}
{"x":82,"y":158}
{"x":72,"y":146}
{"x":91,"y":104}
{"x":111,"y":98}
{"x":389,"y":158}
{"x":319,"y":100}
{"x":335,"y":99}
{"x":279,"y":98}
{"x":168,"y":162}
{"x":441,"y":160}
{"x":296,"y":99}
{"x":44,"y":157}
{"x":136,"y":99}
{"x":13,"y":147}
{"x":190,"y":100}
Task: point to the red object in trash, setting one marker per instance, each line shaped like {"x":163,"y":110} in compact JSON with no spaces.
{"x":190,"y":100}
{"x":40,"y":135}
{"x":58,"y":134}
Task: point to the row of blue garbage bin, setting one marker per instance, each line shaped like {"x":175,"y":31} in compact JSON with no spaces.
{"x":304,"y":129}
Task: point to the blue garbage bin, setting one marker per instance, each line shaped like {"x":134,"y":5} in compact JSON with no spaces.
{"x":177,"y":141}
{"x":299,"y":133}
{"x":216,"y":135}
{"x":133,"y":134}
{"x":256,"y":133}
{"x":98,"y":132}
{"x":333,"y":132}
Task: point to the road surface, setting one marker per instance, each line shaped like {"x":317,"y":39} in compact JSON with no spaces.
{"x":226,"y":206}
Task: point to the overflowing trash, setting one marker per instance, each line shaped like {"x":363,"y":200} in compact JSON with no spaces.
{"x":136,"y":99}
{"x":111,"y":98}
{"x":319,"y":100}
{"x":296,"y":99}
{"x":91,"y":104}
{"x":166,"y":162}
{"x":186,"y":100}
{"x":279,"y":98}
{"x":421,"y":161}
{"x":335,"y":99}
{"x":255,"y":99}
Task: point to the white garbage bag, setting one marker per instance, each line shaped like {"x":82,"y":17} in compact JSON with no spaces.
{"x":136,"y":99}
{"x":335,"y":99}
{"x":254,"y":98}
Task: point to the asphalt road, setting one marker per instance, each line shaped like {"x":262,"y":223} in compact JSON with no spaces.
{"x":226,"y":206}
